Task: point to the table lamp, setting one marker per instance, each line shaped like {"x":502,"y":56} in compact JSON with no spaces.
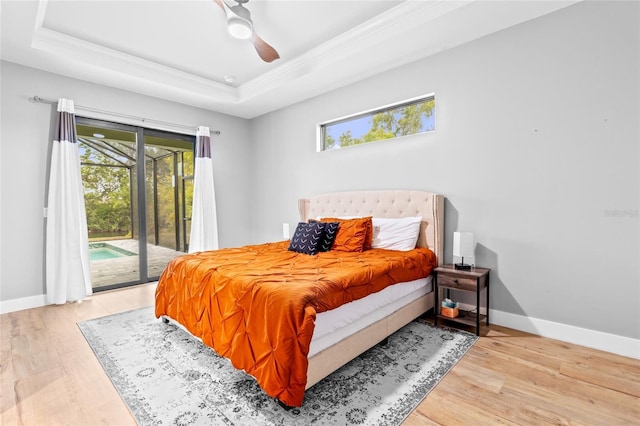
{"x":463,"y":247}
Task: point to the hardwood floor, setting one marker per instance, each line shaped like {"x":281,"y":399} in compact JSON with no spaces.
{"x":50,"y":376}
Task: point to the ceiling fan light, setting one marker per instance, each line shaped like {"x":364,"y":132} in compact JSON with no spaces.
{"x":239,"y":28}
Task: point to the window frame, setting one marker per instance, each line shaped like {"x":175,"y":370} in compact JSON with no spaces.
{"x":321,"y":127}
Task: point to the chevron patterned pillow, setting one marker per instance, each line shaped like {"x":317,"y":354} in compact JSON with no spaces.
{"x":307,"y":237}
{"x":329,"y":236}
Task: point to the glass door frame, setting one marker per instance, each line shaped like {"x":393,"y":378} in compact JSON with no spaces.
{"x":140,"y":191}
{"x":186,"y":219}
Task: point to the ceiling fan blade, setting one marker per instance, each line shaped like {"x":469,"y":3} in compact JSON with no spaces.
{"x":265,"y":51}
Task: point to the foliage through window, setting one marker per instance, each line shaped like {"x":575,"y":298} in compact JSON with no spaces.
{"x":109,"y":169}
{"x":106,"y":181}
{"x":406,"y":118}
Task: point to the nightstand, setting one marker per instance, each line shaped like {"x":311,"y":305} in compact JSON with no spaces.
{"x":475,"y":280}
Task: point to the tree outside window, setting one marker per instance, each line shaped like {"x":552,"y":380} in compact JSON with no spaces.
{"x":403,"y":119}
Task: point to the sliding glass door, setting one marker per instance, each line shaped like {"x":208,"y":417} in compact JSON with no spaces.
{"x":168,"y":163}
{"x":135,"y":225}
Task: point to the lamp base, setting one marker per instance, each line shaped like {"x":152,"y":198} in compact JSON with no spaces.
{"x":462,"y":266}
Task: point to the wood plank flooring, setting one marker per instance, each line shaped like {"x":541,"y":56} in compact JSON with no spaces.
{"x":50,"y":376}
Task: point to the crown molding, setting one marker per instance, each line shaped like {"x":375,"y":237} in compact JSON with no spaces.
{"x":98,"y":56}
{"x":428,"y":26}
{"x":396,"y":21}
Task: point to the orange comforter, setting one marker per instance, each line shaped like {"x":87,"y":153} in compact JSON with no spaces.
{"x":256,"y":305}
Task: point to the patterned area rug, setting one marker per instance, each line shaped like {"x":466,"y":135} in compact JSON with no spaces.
{"x":168,"y":377}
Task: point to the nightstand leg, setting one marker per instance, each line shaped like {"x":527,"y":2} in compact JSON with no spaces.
{"x":477,"y":306}
{"x":487,"y":298}
{"x":436,"y":298}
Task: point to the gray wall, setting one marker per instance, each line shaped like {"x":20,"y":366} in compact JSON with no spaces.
{"x":24,"y":151}
{"x":535,"y":149}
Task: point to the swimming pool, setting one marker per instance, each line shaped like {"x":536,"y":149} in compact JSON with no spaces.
{"x":104,"y":251}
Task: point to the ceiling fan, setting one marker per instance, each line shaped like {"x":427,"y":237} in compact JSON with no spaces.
{"x":240,"y":26}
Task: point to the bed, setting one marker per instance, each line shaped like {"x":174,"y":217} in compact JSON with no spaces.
{"x":196,"y":291}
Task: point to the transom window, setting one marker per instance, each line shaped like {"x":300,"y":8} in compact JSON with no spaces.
{"x":405,"y":118}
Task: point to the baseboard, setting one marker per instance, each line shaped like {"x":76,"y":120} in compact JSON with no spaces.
{"x":613,"y":343}
{"x":13,"y":305}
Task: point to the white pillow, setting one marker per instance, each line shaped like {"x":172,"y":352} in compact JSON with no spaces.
{"x":396,"y":234}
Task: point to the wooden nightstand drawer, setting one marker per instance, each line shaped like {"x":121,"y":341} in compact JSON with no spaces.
{"x":462,"y":283}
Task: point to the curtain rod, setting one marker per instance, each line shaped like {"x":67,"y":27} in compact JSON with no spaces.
{"x":38,"y":99}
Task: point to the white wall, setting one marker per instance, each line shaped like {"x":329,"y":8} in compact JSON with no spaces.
{"x":536,"y":142}
{"x":25,"y":138}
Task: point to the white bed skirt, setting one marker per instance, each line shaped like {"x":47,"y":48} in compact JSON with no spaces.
{"x":335,"y":325}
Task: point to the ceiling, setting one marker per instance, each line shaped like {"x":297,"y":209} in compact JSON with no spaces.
{"x":181,"y":50}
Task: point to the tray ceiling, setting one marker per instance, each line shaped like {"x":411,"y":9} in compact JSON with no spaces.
{"x":181,"y":50}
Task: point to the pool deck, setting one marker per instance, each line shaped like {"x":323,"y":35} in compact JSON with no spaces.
{"x":126,"y":269}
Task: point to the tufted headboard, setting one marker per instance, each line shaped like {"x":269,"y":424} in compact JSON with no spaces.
{"x":384,"y":203}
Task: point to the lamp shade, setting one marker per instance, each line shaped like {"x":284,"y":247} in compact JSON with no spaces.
{"x":463,"y":244}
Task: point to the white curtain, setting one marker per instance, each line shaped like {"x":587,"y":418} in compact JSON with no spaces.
{"x":68,"y":273}
{"x":204,"y":223}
